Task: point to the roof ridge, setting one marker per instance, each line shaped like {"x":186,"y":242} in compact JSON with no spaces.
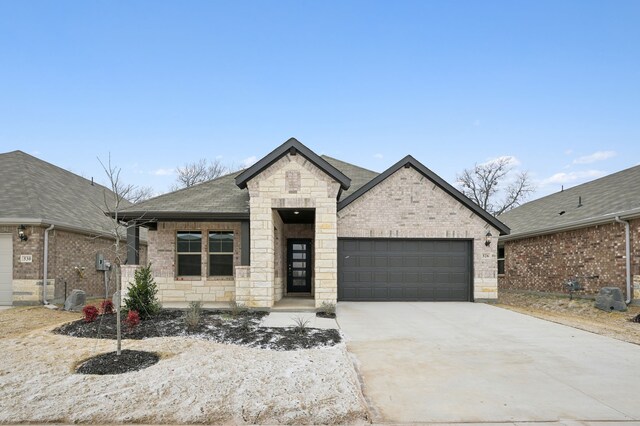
{"x":29,"y":185}
{"x":346,"y":162}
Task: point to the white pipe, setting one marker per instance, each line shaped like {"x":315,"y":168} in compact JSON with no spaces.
{"x":46,"y":264}
{"x":627,"y":256}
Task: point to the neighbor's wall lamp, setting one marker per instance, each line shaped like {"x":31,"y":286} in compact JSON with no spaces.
{"x":21,"y":234}
{"x":487,"y":239}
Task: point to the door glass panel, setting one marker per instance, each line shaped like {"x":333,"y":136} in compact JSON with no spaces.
{"x":299,"y":282}
{"x":298,"y":256}
{"x":299,"y":274}
{"x":299,"y":246}
{"x":299,"y":264}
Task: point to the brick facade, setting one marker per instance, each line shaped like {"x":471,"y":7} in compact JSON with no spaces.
{"x":408,"y":205}
{"x":72,"y":259}
{"x":545,"y":262}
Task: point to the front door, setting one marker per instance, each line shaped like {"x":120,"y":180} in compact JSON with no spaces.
{"x":298,"y":266}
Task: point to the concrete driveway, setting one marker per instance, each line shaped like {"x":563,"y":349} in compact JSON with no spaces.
{"x":467,"y":362}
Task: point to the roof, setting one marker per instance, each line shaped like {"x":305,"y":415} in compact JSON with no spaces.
{"x":33,"y":191}
{"x":293,"y":147}
{"x":409,"y":161}
{"x":221,"y":198}
{"x":594,"y":202}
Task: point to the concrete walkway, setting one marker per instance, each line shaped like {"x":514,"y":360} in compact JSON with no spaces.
{"x":466,"y":362}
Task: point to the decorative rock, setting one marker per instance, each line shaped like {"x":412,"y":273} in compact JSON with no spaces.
{"x":610,"y":299}
{"x":75,"y":301}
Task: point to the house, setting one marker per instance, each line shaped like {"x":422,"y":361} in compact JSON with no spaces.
{"x":299,"y":224}
{"x":50,"y":213}
{"x":590,"y":232}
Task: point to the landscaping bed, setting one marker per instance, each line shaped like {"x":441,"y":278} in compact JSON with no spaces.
{"x":579,"y":313}
{"x":218,"y":326}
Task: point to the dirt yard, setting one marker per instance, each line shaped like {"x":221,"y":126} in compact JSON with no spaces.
{"x":578,"y":313}
{"x":195,"y":381}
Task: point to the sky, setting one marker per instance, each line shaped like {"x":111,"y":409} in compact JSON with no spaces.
{"x":155,"y":84}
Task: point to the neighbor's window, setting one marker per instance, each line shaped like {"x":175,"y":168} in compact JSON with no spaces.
{"x":500,"y":260}
{"x":189,"y":249}
{"x":221,"y":253}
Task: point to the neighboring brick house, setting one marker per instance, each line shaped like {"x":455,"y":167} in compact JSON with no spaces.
{"x":296,"y":224}
{"x":576,"y":233}
{"x":36,"y":196}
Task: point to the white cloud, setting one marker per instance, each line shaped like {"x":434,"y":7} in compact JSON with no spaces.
{"x":378,"y":155}
{"x":510,"y":159}
{"x":562,"y":178}
{"x":249,"y":161}
{"x":163,"y":172}
{"x":568,"y":151}
{"x":596,"y":156}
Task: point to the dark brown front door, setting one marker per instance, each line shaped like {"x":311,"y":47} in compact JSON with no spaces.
{"x":298,"y":266}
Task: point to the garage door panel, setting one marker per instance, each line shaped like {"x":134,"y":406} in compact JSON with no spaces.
{"x":404,"y":269}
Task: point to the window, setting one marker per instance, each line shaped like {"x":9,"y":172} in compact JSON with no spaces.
{"x":189,"y":249}
{"x":221,"y":253}
{"x":501,"y":260}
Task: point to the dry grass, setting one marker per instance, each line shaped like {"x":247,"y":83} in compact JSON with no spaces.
{"x":22,"y":320}
{"x":578,"y":313}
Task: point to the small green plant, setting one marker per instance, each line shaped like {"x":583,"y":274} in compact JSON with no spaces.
{"x":142,"y":293}
{"x":193,"y":315}
{"x":328,"y":308}
{"x":237,"y":309}
{"x":301,"y":325}
{"x":245,"y":326}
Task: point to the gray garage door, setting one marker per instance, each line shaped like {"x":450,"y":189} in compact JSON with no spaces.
{"x":6,"y":269}
{"x":404,"y":269}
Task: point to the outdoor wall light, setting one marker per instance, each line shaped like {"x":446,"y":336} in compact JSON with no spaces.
{"x":487,"y":239}
{"x":21,"y":234}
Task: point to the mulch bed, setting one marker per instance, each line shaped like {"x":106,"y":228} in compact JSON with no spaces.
{"x":111,"y":363}
{"x":218,"y":326}
{"x":330,"y":315}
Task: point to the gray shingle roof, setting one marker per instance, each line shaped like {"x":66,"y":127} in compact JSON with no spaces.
{"x":222,"y":196}
{"x":601,"y":199}
{"x":32,"y":189}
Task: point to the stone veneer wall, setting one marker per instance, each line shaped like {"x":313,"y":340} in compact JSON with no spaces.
{"x":292,"y":182}
{"x":544,"y":263}
{"x":408,"y":205}
{"x":179,"y":291}
{"x":67,"y":250}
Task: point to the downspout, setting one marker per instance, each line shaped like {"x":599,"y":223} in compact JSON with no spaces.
{"x":627,"y":233}
{"x":46,"y":264}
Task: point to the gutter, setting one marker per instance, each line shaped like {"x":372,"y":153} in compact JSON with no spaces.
{"x":46,"y":264}
{"x":627,"y":257}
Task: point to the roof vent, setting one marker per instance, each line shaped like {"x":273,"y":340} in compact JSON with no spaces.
{"x":562,"y":212}
{"x":579,"y":201}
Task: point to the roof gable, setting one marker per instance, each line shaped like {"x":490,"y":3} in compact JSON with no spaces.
{"x":294,"y":147}
{"x":409,"y":161}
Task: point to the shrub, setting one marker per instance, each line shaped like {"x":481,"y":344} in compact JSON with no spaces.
{"x":192,"y":317}
{"x":107,"y":306}
{"x":90,"y":313}
{"x":142,"y":293}
{"x":328,"y":308}
{"x":133,"y":319}
{"x":237,"y":308}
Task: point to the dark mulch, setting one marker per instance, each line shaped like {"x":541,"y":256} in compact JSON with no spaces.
{"x":110,"y":363}
{"x":331,"y":315}
{"x":635,"y":319}
{"x":218,"y":326}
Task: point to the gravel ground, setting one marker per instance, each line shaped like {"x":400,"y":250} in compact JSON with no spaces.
{"x":196,"y":381}
{"x":578,"y":313}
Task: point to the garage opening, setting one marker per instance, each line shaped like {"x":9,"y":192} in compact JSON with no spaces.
{"x":395,"y":269}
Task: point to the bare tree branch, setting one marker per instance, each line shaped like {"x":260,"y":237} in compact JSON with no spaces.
{"x":485,"y":182}
{"x":199,"y":171}
{"x":140,"y":193}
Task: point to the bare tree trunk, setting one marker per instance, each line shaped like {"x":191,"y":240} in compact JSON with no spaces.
{"x":118,"y":309}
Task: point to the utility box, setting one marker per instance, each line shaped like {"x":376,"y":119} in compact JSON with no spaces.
{"x":101,"y":265}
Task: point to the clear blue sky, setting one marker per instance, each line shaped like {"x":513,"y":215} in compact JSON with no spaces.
{"x":556,"y":84}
